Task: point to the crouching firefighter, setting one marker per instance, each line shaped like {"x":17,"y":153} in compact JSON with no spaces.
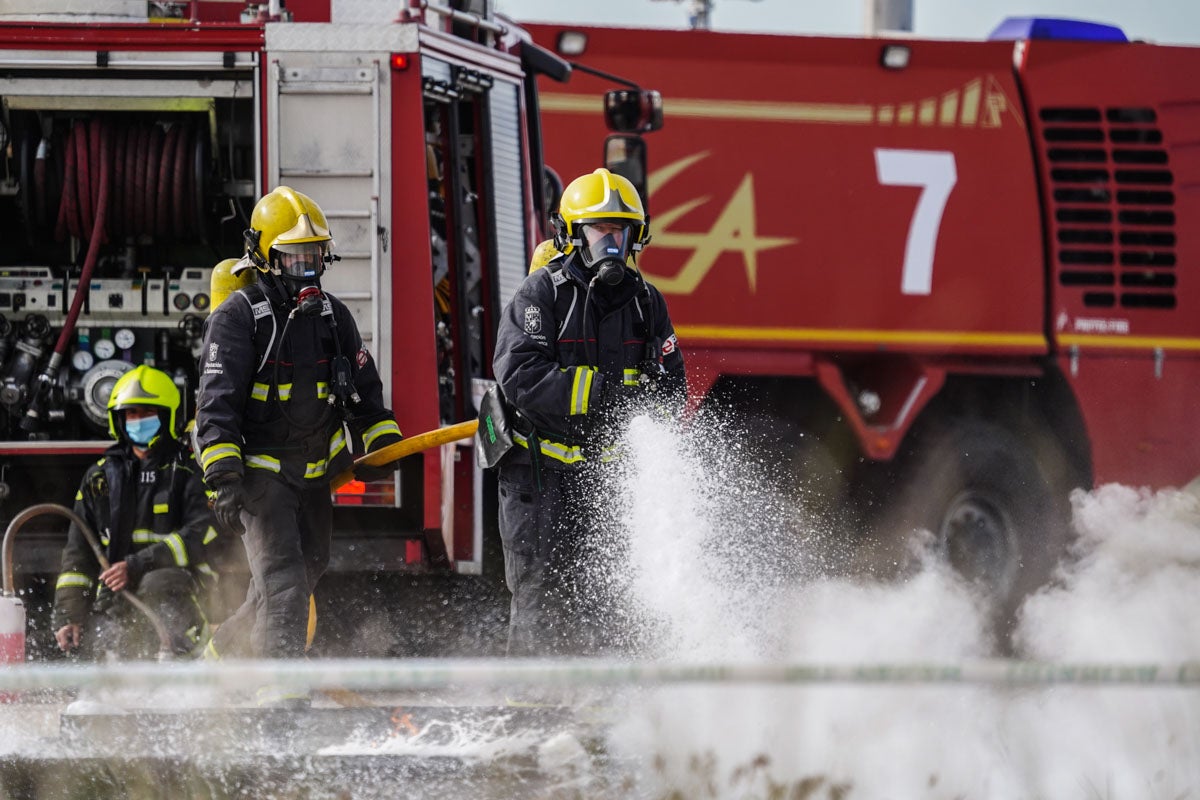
{"x":283,"y":372}
{"x":585,"y":343}
{"x":145,"y":502}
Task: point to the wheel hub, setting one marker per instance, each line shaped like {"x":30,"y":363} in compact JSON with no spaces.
{"x":980,"y":541}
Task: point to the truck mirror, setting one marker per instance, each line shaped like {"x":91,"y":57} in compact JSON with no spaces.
{"x":633,"y":110}
{"x":552,"y":189}
{"x":625,"y":155}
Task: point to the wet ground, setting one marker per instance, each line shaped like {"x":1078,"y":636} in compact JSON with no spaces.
{"x":87,"y":749}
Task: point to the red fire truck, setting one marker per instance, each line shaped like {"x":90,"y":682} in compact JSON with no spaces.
{"x":950,"y":278}
{"x":137,"y":138}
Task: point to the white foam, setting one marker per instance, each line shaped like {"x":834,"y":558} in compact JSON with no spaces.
{"x":1129,"y":592}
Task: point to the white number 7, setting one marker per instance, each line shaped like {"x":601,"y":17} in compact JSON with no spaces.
{"x":935,"y":173}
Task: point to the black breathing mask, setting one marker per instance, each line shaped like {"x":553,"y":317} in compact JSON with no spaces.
{"x":605,"y":249}
{"x":309,"y":300}
{"x":610,"y":272}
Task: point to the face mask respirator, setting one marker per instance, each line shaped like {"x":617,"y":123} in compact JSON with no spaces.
{"x":300,"y":266}
{"x":309,"y":299}
{"x":142,"y":430}
{"x":610,"y":271}
{"x":606,"y":249}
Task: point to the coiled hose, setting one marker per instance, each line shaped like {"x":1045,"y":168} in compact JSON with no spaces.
{"x":148,"y":177}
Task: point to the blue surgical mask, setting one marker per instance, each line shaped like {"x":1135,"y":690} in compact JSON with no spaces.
{"x":141,"y":431}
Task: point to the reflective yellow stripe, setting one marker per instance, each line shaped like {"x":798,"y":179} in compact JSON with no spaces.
{"x":322,"y":390}
{"x":162,"y":508}
{"x":178,"y":549}
{"x":210,"y":534}
{"x":1018,"y":339}
{"x":214,"y":453}
{"x":632,"y":377}
{"x":581,"y":389}
{"x":610,"y":453}
{"x":74,"y":580}
{"x":263,"y":462}
{"x":144,"y":536}
{"x":379,"y":429}
{"x":207,"y":570}
{"x":337,"y":443}
{"x":1146,"y":342}
{"x":78,"y":494}
{"x":315,"y":469}
{"x":262,"y":391}
{"x":567,"y":454}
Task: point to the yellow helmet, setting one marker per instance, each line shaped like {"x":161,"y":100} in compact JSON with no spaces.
{"x":600,"y":196}
{"x":143,"y":386}
{"x":281,"y":218}
{"x":542,"y":255}
{"x":226,"y":279}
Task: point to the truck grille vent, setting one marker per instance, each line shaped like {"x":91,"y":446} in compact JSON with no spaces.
{"x":1112,"y":202}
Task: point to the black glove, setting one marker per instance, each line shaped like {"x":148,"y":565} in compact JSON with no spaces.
{"x":229,"y":501}
{"x":367,"y":473}
{"x":652,"y":371}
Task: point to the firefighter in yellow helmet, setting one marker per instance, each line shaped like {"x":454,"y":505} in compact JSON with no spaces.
{"x":145,"y":502}
{"x":585,"y":343}
{"x":283,"y":375}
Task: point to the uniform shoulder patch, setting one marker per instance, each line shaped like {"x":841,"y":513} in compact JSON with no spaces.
{"x":533,"y":319}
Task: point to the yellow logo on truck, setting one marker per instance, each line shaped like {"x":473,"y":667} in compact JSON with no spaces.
{"x":734,"y":231}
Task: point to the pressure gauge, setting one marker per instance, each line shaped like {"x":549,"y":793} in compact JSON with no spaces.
{"x":104,"y":349}
{"x":124,"y":338}
{"x":82,"y":360}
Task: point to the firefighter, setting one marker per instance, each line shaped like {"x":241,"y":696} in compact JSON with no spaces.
{"x":283,"y":372}
{"x":585,"y":342}
{"x":145,"y":502}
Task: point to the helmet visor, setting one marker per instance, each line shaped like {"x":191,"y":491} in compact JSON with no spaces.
{"x":304,"y":260}
{"x":603,"y":240}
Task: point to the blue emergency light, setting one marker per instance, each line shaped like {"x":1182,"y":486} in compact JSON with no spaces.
{"x":1053,"y":28}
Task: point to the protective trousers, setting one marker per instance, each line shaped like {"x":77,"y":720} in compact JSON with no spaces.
{"x":287,"y":546}
{"x":557,"y":564}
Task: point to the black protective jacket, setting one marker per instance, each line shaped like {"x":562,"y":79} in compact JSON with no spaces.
{"x":150,"y":513}
{"x":266,"y":383}
{"x":566,"y":360}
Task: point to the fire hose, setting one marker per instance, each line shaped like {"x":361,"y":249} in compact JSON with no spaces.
{"x":78,"y":207}
{"x":165,"y":649}
{"x":408,"y":447}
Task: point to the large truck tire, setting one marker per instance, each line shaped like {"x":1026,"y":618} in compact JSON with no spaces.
{"x":997,"y":506}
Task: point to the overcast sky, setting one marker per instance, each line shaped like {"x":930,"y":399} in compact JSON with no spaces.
{"x":1165,"y":21}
